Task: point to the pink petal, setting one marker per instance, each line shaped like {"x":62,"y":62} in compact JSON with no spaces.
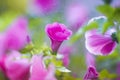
{"x":38,"y":70}
{"x":108,"y":48}
{"x":96,"y":43}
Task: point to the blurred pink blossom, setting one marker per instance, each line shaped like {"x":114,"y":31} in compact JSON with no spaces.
{"x":2,"y":64}
{"x":57,"y":33}
{"x":2,"y":44}
{"x":99,"y":44}
{"x":91,"y":74}
{"x":76,"y":15}
{"x":16,"y":35}
{"x":66,"y":51}
{"x":90,"y":60}
{"x":17,"y":68}
{"x":115,"y":3}
{"x":44,"y":6}
{"x":39,"y":71}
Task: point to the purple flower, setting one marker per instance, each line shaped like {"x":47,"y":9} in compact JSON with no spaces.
{"x":57,"y":33}
{"x":91,"y":74}
{"x":39,"y":70}
{"x":16,"y":35}
{"x":76,"y":15}
{"x":17,"y":68}
{"x":99,"y":44}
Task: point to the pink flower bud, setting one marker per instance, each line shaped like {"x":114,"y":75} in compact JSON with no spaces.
{"x":39,"y":70}
{"x":91,"y":74}
{"x":57,"y":33}
{"x":99,"y":44}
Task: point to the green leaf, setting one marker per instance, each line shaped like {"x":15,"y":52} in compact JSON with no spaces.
{"x":107,"y":10}
{"x":106,"y":25}
{"x":27,"y":49}
{"x":116,"y":15}
{"x":77,"y":35}
{"x":63,"y":69}
{"x":104,"y":74}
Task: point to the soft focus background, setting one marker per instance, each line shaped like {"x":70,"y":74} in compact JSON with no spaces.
{"x":75,"y":15}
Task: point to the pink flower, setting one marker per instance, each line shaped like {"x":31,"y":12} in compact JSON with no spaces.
{"x":57,"y":33}
{"x":39,"y":70}
{"x":99,"y":44}
{"x":45,"y":6}
{"x":76,"y":15}
{"x":16,"y":35}
{"x":91,"y":74}
{"x":17,"y":68}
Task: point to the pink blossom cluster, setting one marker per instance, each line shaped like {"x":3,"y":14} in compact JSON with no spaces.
{"x":13,"y":64}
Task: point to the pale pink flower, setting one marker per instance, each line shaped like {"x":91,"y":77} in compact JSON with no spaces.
{"x":16,"y":35}
{"x":39,"y":71}
{"x":57,"y":33}
{"x":99,"y":44}
{"x":76,"y":15}
{"x":17,"y":68}
{"x":91,"y":74}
